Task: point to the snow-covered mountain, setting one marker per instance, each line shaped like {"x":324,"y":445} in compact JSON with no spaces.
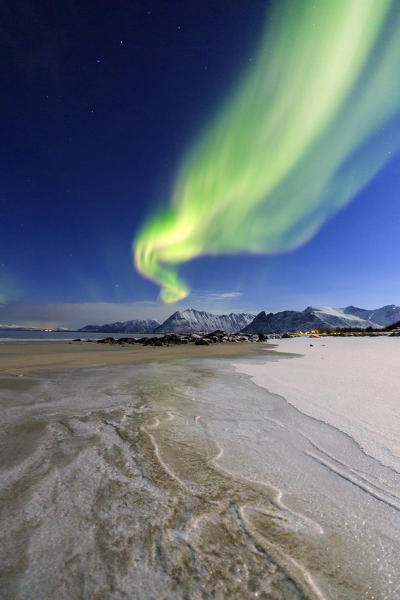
{"x":313,"y":317}
{"x":358,"y":317}
{"x":191,"y":320}
{"x":281,"y":322}
{"x":341,"y":317}
{"x":387,"y":315}
{"x":15,"y":327}
{"x":134,"y":326}
{"x":323,"y":317}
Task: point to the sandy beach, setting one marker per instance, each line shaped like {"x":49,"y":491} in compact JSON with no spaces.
{"x":22,"y":359}
{"x":184,"y":472}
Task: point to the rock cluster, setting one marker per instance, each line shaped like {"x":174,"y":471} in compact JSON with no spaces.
{"x":172,"y":339}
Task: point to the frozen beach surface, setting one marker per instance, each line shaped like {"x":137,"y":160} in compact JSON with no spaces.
{"x":181,"y":478}
{"x":352,"y":384}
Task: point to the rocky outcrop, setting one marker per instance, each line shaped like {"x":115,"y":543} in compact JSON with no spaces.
{"x":174,"y":339}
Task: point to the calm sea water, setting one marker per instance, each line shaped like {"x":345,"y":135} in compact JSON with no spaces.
{"x":24,"y":337}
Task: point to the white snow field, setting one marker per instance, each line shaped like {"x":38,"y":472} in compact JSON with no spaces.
{"x":351,"y":383}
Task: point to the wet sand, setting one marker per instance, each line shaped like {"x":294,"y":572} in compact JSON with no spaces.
{"x":23,"y":359}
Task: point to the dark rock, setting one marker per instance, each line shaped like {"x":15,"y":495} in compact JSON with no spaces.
{"x":77,"y":340}
{"x":122,"y":340}
{"x":173,"y":338}
{"x":125,"y":340}
{"x":107,"y":340}
{"x":194,"y":337}
{"x":202,"y":342}
{"x":261,"y":337}
{"x":218,"y":333}
{"x":156,"y":341}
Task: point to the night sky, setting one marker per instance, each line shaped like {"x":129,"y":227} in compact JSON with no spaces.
{"x":100,"y":101}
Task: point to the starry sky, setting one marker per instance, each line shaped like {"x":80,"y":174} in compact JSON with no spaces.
{"x":100,"y":101}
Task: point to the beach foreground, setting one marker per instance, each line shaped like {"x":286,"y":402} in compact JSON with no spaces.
{"x":182,"y":478}
{"x":22,"y":359}
{"x":352,"y":384}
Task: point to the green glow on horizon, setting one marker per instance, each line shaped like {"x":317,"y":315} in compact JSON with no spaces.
{"x":303,"y":131}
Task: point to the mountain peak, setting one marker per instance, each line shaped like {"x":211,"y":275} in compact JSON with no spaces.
{"x":133,"y":326}
{"x":323,"y":317}
{"x":191,"y":320}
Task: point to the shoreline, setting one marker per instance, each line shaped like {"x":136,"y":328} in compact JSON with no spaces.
{"x":23,"y":359}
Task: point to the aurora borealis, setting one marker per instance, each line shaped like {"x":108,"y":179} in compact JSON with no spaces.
{"x":222,"y":142}
{"x":305,"y":128}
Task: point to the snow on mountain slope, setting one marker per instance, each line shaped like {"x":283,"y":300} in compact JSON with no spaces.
{"x":281,"y":322}
{"x":338,"y":317}
{"x":323,"y":317}
{"x":15,"y":327}
{"x":191,"y":320}
{"x":387,"y":315}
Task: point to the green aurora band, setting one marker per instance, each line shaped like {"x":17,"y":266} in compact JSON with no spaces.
{"x":306,"y":128}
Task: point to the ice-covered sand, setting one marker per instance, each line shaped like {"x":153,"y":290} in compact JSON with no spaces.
{"x":350,"y":383}
{"x":181,"y":478}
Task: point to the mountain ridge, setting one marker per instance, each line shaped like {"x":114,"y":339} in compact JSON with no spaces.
{"x":191,"y":320}
{"x":132,"y":326}
{"x":323,"y":317}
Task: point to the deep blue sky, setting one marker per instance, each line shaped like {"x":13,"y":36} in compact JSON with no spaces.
{"x":99,"y":102}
